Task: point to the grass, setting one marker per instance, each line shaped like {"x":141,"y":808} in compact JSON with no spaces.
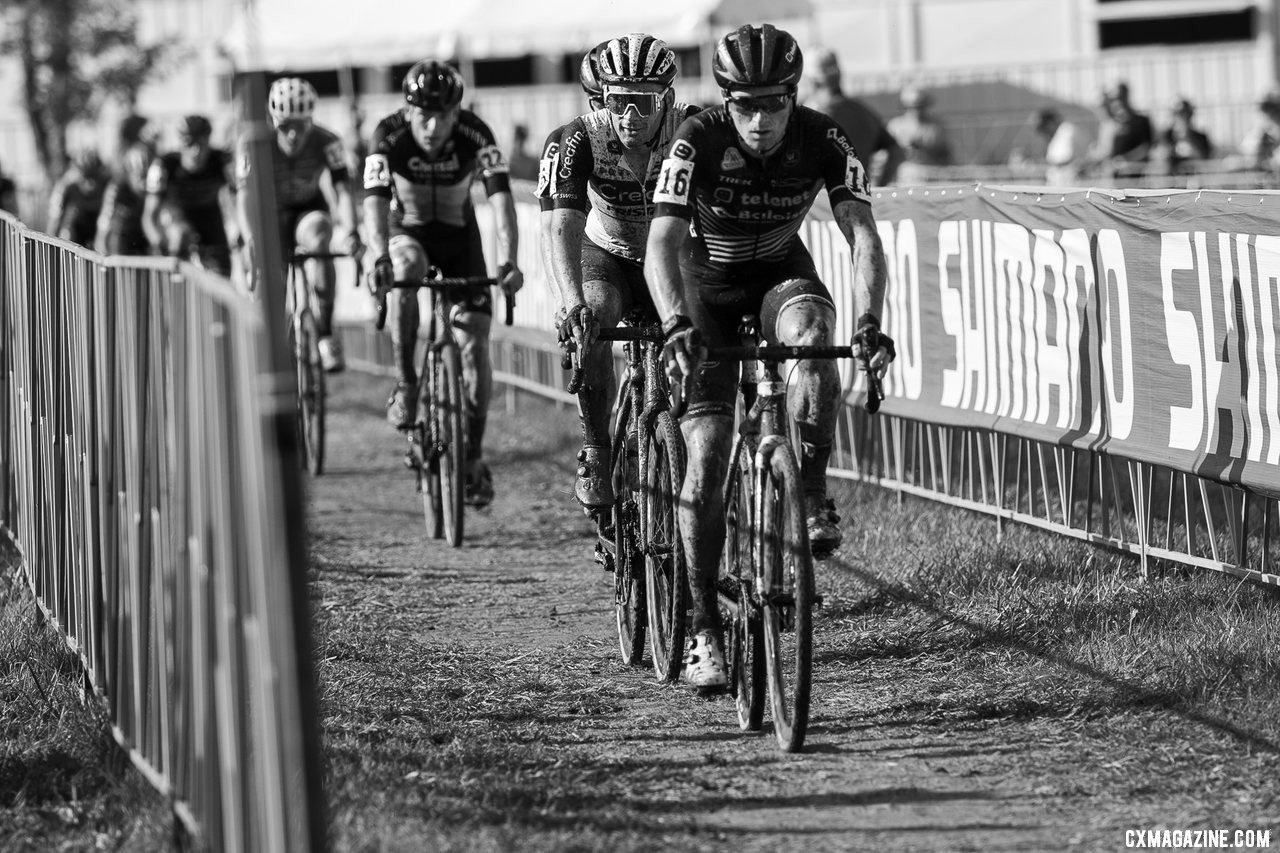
{"x":64,"y":783}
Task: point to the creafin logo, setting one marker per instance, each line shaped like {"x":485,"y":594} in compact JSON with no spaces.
{"x":791,"y":54}
{"x":732,"y":160}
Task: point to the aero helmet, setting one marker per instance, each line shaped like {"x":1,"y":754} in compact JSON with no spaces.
{"x":433,"y":85}
{"x":756,"y":56}
{"x":589,"y":72}
{"x":636,"y":58}
{"x":290,"y":99}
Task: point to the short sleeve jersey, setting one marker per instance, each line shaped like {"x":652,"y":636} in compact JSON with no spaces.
{"x":592,"y":170}
{"x":745,"y":209}
{"x":425,"y":190}
{"x":189,"y":190}
{"x":546,"y":166}
{"x":298,"y":176}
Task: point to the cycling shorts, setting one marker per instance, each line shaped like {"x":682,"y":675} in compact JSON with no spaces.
{"x":727,"y":295}
{"x":623,"y":274}
{"x":457,"y":252}
{"x":290,"y":216}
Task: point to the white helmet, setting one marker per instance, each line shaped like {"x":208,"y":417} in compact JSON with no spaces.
{"x":291,"y":98}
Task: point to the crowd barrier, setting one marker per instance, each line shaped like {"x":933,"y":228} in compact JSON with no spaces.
{"x":1100,"y":364}
{"x":132,"y":460}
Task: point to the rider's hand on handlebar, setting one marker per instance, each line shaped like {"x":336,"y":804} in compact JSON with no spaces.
{"x":682,"y":354}
{"x":383,"y":275}
{"x":510,"y":279}
{"x":872,"y":341}
{"x":581,"y":324}
{"x":352,"y":246}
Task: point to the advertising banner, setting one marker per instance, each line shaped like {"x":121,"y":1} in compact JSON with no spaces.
{"x":1139,"y":324}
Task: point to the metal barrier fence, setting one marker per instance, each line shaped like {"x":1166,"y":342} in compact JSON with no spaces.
{"x":131,"y":477}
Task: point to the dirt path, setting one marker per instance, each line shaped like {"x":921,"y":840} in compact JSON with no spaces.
{"x":887,"y":768}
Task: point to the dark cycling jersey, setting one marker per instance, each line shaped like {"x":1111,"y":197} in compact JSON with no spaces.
{"x":546,"y":167}
{"x":426,"y":191}
{"x":123,"y":205}
{"x":592,"y":168}
{"x":745,"y":209}
{"x":189,"y":191}
{"x":298,"y":176}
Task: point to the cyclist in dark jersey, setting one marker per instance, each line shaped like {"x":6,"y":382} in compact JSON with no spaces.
{"x":745,"y":174}
{"x":417,"y":211}
{"x":302,"y":153}
{"x":611,"y":159}
{"x":188,"y":201}
{"x":76,"y":199}
{"x":589,"y":76}
{"x":120,"y":229}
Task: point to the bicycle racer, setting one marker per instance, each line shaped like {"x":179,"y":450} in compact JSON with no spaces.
{"x":745,"y":175}
{"x":417,"y":210}
{"x":610,"y":159}
{"x":303,"y":152}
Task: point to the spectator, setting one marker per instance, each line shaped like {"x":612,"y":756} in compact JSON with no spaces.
{"x":120,"y":230}
{"x":8,"y":194}
{"x":1261,"y":145}
{"x":1182,"y":142}
{"x":76,"y":199}
{"x":922,"y":137}
{"x":880,"y":152}
{"x":1125,"y":138}
{"x":1066,"y":153}
{"x":523,"y":165}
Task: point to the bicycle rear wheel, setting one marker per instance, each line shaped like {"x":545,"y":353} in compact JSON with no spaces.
{"x":744,"y":644}
{"x":786,"y":595}
{"x":667,"y":586}
{"x":311,"y":391}
{"x":629,"y":563}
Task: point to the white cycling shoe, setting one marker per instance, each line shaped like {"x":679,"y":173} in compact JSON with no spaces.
{"x":704,"y":667}
{"x":331,"y":354}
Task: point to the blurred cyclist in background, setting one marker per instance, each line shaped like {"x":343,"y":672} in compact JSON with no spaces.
{"x":610,"y":159}
{"x":302,"y":153}
{"x":76,"y":199}
{"x":418,"y":212}
{"x":120,"y":230}
{"x":189,"y":206}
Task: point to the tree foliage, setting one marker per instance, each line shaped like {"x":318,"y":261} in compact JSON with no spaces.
{"x":76,"y":56}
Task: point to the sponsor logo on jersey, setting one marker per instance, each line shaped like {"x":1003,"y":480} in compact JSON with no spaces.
{"x":425,"y":168}
{"x":732,"y":159}
{"x":568,"y":151}
{"x":791,"y":158}
{"x":723,"y":195}
{"x":620,"y":193}
{"x":837,"y":136}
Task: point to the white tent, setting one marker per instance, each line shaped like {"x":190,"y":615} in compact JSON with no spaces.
{"x":278,"y":34}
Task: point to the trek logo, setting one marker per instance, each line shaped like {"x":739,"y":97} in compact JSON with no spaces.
{"x":732,"y":160}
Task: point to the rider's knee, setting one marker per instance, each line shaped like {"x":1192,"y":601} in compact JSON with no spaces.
{"x":314,"y":231}
{"x":473,"y":328}
{"x":604,"y":301}
{"x":807,"y":321}
{"x":408,"y":260}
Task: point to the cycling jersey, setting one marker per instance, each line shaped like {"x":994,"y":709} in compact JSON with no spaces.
{"x":745,"y":209}
{"x":546,"y":166}
{"x":298,"y":176}
{"x":592,"y":168}
{"x":426,"y":191}
{"x":123,"y":204}
{"x":190,"y":191}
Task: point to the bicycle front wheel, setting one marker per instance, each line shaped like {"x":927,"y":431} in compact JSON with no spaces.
{"x":667,"y":586}
{"x":744,"y":643}
{"x":311,"y":391}
{"x":450,"y":440}
{"x":628,"y":563}
{"x":786,"y":594}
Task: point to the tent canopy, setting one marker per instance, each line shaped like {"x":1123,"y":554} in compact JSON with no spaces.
{"x":278,"y":34}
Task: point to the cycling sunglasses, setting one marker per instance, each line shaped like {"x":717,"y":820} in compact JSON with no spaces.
{"x":749,"y":104}
{"x":646,"y":103}
{"x":296,"y":124}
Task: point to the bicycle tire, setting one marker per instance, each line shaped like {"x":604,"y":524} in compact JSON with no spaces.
{"x":787,"y":594}
{"x":311,"y":392}
{"x":629,"y":598}
{"x":451,"y":437}
{"x":744,"y":644}
{"x":428,"y":479}
{"x":665,"y":572}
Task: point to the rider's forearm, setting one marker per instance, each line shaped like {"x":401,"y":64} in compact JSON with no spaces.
{"x":508,"y":234}
{"x":151,"y":221}
{"x":377,"y":216}
{"x":347,"y":207}
{"x":567,"y":227}
{"x":870,"y":272}
{"x":667,"y":235}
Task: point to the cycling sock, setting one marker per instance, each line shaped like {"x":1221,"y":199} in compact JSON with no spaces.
{"x":475,"y":435}
{"x":813,"y":468}
{"x":705,"y":606}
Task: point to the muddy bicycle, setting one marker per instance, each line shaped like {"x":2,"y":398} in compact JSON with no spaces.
{"x":766,"y":583}
{"x":437,"y":439}
{"x":637,"y":538}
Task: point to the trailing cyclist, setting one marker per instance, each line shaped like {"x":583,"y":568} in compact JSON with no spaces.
{"x":417,"y":211}
{"x":610,"y":159}
{"x":188,"y":200}
{"x":303,"y":152}
{"x":745,"y":174}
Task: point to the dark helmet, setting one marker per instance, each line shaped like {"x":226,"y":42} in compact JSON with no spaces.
{"x":753,"y":56}
{"x":433,"y":85}
{"x":636,"y":58}
{"x":589,"y":73}
{"x":194,"y":127}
